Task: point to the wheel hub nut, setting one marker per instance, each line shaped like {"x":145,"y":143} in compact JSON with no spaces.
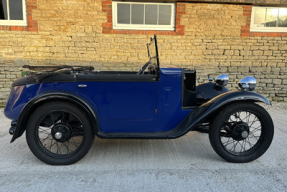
{"x":58,"y":135}
{"x":244,"y":134}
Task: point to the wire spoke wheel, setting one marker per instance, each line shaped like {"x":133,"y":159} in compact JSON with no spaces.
{"x":241,"y":132}
{"x":59,"y":133}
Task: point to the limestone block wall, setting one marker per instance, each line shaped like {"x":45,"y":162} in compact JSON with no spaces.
{"x":211,"y":41}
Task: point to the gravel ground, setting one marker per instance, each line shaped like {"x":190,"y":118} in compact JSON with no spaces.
{"x":184,"y":164}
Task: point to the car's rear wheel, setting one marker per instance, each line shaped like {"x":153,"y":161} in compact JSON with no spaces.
{"x":59,"y":133}
{"x":242,"y":132}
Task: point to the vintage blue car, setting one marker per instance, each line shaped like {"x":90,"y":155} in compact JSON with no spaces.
{"x":62,"y":108}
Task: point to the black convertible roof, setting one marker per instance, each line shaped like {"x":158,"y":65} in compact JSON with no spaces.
{"x":51,"y":68}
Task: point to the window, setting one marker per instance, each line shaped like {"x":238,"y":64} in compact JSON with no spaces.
{"x":13,"y":12}
{"x":145,"y":16}
{"x":268,"y":19}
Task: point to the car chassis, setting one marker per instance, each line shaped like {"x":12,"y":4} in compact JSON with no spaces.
{"x":62,"y":108}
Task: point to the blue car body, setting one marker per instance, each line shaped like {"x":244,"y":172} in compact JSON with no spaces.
{"x":119,"y":106}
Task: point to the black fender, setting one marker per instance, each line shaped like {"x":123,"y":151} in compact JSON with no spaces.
{"x":200,"y":114}
{"x":209,"y":90}
{"x":50,"y":97}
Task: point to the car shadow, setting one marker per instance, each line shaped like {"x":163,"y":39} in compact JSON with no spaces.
{"x":188,"y":150}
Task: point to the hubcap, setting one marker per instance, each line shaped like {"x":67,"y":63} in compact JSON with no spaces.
{"x":58,"y":135}
{"x":61,"y":132}
{"x":240,"y":131}
{"x":244,"y":134}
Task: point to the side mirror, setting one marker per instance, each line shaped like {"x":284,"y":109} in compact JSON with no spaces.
{"x":222,"y":80}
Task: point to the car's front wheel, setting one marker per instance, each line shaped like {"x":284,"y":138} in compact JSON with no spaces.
{"x":241,"y":132}
{"x":59,"y":133}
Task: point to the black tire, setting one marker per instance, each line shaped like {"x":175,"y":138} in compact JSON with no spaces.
{"x":238,"y":139}
{"x":59,"y":133}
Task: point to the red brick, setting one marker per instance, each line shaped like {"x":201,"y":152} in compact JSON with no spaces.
{"x":177,"y":21}
{"x":179,"y":33}
{"x":246,"y":14}
{"x":110,"y":13}
{"x":244,"y":34}
{"x":274,"y":34}
{"x":29,"y":9}
{"x":107,"y":24}
{"x":179,"y":26}
{"x":109,"y":28}
{"x":180,"y":4}
{"x":106,"y":32}
{"x":257,"y":34}
{"x":170,"y":33}
{"x":179,"y":29}
{"x":150,"y":32}
{"x":180,"y":8}
{"x":32,"y":23}
{"x":245,"y":28}
{"x":106,"y":2}
{"x":135,"y":32}
{"x":180,"y":12}
{"x":245,"y":31}
{"x":247,"y":7}
{"x":32,"y":29}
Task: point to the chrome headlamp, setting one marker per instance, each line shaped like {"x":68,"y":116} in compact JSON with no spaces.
{"x":247,"y":83}
{"x":222,"y":80}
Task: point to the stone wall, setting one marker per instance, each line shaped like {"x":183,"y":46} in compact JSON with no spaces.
{"x":70,"y":32}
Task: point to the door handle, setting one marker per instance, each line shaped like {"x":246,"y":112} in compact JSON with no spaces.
{"x":82,"y":85}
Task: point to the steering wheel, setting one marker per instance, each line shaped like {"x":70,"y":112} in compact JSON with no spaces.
{"x":141,"y":71}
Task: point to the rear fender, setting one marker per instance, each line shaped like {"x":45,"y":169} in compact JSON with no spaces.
{"x":50,"y":97}
{"x":214,"y":105}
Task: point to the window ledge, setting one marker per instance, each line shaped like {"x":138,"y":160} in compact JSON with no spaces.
{"x":275,"y":30}
{"x":13,"y":24}
{"x":145,"y":28}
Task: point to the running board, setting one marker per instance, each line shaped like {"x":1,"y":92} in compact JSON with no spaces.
{"x":188,"y":124}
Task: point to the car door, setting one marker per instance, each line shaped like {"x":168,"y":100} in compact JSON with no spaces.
{"x":131,"y":99}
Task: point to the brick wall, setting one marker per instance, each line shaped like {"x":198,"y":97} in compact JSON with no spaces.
{"x":71,"y":32}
